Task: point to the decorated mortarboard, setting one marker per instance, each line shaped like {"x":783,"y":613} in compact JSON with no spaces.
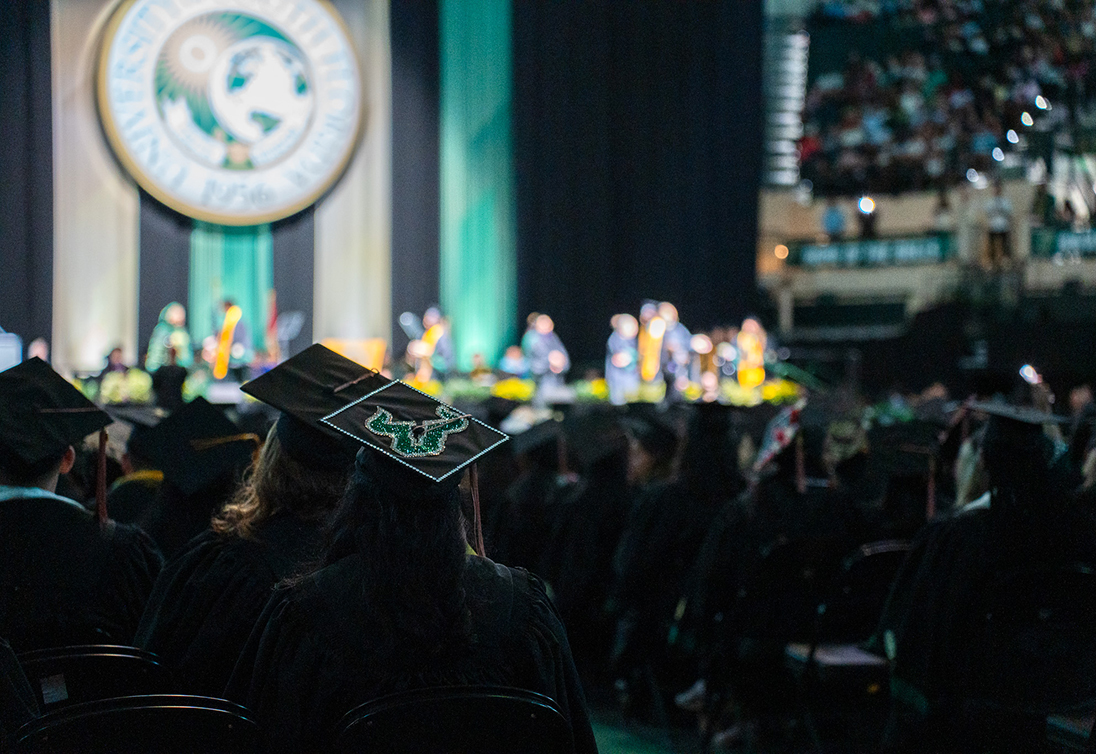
{"x":307,"y":388}
{"x":415,"y":430}
{"x":198,"y":445}
{"x":41,"y":414}
{"x":780,"y":433}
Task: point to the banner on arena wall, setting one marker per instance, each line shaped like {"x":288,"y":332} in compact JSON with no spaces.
{"x":877,"y":253}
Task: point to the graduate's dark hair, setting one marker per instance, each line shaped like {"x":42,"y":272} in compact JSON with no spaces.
{"x":413,"y":555}
{"x":277,"y":482}
{"x":19,"y":473}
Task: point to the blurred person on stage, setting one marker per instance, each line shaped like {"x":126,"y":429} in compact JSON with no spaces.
{"x":170,"y":332}
{"x":548,"y":359}
{"x":622,"y":359}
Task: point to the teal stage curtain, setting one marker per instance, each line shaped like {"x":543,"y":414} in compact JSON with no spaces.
{"x":232,"y":263}
{"x":478,"y":267}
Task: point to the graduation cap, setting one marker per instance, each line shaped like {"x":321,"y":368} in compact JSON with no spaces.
{"x":41,"y":415}
{"x":594,"y":437}
{"x":138,"y":419}
{"x":540,"y":435}
{"x":415,"y":444}
{"x":197,"y":445}
{"x":652,"y":427}
{"x":414,"y":430}
{"x":1017,"y":416}
{"x":308,"y":387}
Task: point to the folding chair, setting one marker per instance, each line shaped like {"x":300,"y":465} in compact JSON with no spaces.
{"x":776,"y":604}
{"x":832,"y":671}
{"x":465,"y":719}
{"x":158,"y":723}
{"x":62,"y":676}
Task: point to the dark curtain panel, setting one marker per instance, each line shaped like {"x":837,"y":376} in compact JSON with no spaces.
{"x":164,"y":265}
{"x":637,"y":139}
{"x":294,"y":240}
{"x":415,"y":160}
{"x":26,"y":167}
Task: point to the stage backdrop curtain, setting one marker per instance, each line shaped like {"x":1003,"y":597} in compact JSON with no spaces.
{"x":353,"y":224}
{"x":230,"y":263}
{"x":478,"y":268}
{"x":637,"y":151}
{"x":95,"y":207}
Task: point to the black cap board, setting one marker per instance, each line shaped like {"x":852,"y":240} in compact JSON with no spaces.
{"x":308,"y":387}
{"x":415,"y":430}
{"x":1020,"y":414}
{"x":198,"y":445}
{"x":41,"y":414}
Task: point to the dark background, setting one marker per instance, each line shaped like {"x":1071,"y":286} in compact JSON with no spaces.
{"x":637,"y":146}
{"x":26,"y":170}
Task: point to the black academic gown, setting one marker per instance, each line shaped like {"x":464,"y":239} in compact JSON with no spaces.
{"x":207,"y":599}
{"x":928,"y":620}
{"x":307,"y":663}
{"x":174,"y":518}
{"x":64,"y":579}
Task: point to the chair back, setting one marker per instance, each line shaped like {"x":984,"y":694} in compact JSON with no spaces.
{"x":152,"y":724}
{"x":456,"y":720}
{"x":851,"y":609}
{"x":779,"y":598}
{"x":62,"y":676}
{"x":1033,"y":647}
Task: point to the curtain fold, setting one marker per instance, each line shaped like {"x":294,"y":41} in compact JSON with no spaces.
{"x":230,"y":263}
{"x":478,"y":269}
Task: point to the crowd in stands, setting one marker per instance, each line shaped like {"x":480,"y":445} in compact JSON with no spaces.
{"x":646,"y":550}
{"x":958,"y":86}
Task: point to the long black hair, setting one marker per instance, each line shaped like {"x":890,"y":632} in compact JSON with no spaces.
{"x":412,"y":557}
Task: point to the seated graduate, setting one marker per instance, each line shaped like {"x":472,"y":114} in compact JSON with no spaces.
{"x":207,"y":599}
{"x":132,"y":494}
{"x":68,"y":575}
{"x":203,"y":455}
{"x":401,"y":602}
{"x":1030,"y":518}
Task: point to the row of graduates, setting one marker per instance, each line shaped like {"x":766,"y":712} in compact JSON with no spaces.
{"x":649,"y":524}
{"x":339,"y":570}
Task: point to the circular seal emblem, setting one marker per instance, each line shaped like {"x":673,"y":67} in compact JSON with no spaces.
{"x":235,"y":112}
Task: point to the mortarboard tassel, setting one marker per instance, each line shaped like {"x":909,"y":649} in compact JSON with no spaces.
{"x":800,"y":466}
{"x":101,"y":479}
{"x":477,"y":520}
{"x":930,"y":493}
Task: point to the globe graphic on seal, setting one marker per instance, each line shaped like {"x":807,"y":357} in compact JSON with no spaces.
{"x":233,"y":92}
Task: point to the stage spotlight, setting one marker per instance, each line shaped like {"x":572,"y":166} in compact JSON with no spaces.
{"x":1041,"y":103}
{"x":866,"y":205}
{"x":998,"y":154}
{"x":1013,"y":137}
{"x":1026,"y":118}
{"x":972,"y":175}
{"x":781,"y":251}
